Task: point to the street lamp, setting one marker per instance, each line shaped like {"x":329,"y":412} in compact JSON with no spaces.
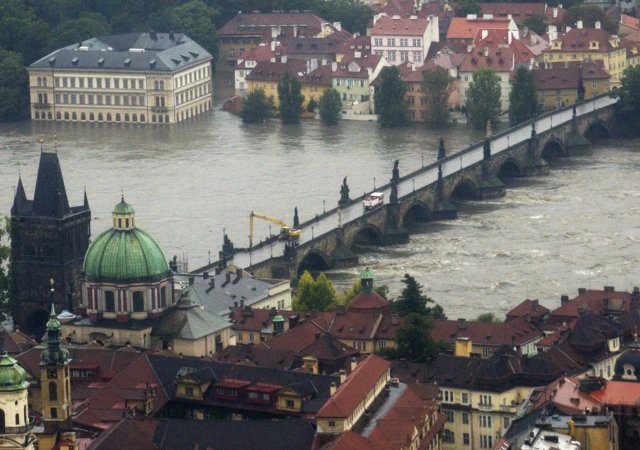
{"x":324,"y":207}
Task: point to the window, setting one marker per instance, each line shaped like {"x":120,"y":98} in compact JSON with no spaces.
{"x":485,"y":421}
{"x":250,"y":337}
{"x":404,"y":55}
{"x":53,"y":391}
{"x":391,"y":42}
{"x":465,"y":439}
{"x":290,"y":404}
{"x":89,"y":82}
{"x":188,"y":392}
{"x":447,"y":396}
{"x":404,"y":42}
{"x":107,"y":83}
{"x":594,"y":84}
{"x":465,"y":398}
{"x":332,"y":423}
{"x":448,"y":437}
{"x":98,"y":82}
{"x":52,"y":374}
{"x":107,"y":99}
{"x":486,"y":441}
{"x":391,"y":55}
{"x":125,"y":84}
{"x":377,"y":42}
{"x":163,"y":296}
{"x":465,"y":418}
{"x":138,"y":301}
{"x":505,"y":423}
{"x":54,"y":413}
{"x":417,"y":42}
{"x":450,"y":415}
{"x":487,"y":351}
{"x":417,"y":56}
{"x":109,"y":302}
{"x":485,"y":400}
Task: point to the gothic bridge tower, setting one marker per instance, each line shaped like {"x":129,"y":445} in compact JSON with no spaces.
{"x":48,"y":241}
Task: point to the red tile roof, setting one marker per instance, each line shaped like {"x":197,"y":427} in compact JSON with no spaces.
{"x":359,"y":383}
{"x":513,"y":332}
{"x":629,"y":21}
{"x":528,"y":309}
{"x":368,"y":300}
{"x":579,"y":40}
{"x":566,"y":76}
{"x":251,"y":24}
{"x":349,"y":440}
{"x":267,"y":71}
{"x":498,"y":59}
{"x":617,"y":393}
{"x":519,"y":11}
{"x":255,"y":319}
{"x":463,"y":28}
{"x":596,"y":302}
{"x":15,"y":342}
{"x":389,"y":26}
{"x":260,"y":53}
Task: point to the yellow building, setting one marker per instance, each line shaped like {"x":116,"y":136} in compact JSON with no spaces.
{"x":588,"y":44}
{"x":557,"y":83}
{"x":128,"y":78}
{"x":16,"y":427}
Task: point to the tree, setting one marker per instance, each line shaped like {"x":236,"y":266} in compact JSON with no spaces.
{"x":14,"y":87}
{"x":466,"y":7}
{"x":437,"y":86}
{"x":196,"y":19}
{"x":414,"y":341}
{"x":483,"y":98}
{"x":5,"y":269}
{"x":330,"y":107}
{"x":536,"y":23}
{"x":488,"y":317}
{"x":314,"y":295}
{"x":628,"y":105}
{"x":77,"y":29}
{"x":589,"y":14}
{"x":290,"y":99}
{"x":256,"y":107}
{"x":412,"y":300}
{"x":389,"y":98}
{"x":523,"y":98}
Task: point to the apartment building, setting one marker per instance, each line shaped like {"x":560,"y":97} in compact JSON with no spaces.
{"x":402,"y":40}
{"x":126,"y":78}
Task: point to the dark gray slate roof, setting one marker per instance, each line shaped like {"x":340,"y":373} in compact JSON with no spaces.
{"x":167,"y":52}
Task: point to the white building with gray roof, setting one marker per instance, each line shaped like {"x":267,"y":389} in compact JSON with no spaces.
{"x":135,"y":78}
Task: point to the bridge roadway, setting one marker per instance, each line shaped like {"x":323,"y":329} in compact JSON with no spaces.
{"x":451,"y":165}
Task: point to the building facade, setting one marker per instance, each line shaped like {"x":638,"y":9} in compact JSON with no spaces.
{"x":404,"y":40}
{"x":132,"y":78}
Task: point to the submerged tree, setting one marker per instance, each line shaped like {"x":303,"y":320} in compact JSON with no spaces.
{"x":330,"y":107}
{"x":290,"y":99}
{"x":256,"y":107}
{"x":389,"y":98}
{"x":523,"y":98}
{"x":437,"y":86}
{"x":483,"y":98}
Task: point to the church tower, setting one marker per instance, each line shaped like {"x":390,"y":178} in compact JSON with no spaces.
{"x":55,"y":380}
{"x":48,"y":241}
{"x":16,"y":428}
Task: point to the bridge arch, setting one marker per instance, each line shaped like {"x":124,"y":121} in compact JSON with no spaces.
{"x":553,"y":149}
{"x":596,"y":130}
{"x":465,"y":190}
{"x":368,"y":234}
{"x":314,"y":261}
{"x":417,"y":212}
{"x":511,"y":168}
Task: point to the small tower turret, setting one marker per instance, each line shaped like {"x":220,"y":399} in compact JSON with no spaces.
{"x":16,"y":428}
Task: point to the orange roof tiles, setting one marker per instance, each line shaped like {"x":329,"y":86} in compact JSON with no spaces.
{"x":389,"y":26}
{"x":498,"y":59}
{"x":579,"y":39}
{"x":528,"y":308}
{"x":359,"y":383}
{"x":514,"y":332}
{"x":619,"y":393}
{"x":463,"y":28}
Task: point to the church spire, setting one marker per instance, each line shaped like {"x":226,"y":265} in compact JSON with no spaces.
{"x":54,"y":354}
{"x":50,"y":185}
{"x":20,"y":199}
{"x":366,"y":281}
{"x":86,"y":199}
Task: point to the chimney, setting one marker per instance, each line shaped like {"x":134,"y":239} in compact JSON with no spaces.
{"x":212,"y":283}
{"x":239,"y":272}
{"x":581,"y":291}
{"x":153,"y":35}
{"x":205,"y":275}
{"x":462,"y":323}
{"x":598,"y":25}
{"x":273,"y":46}
{"x":338,"y":26}
{"x":579,"y":24}
{"x":334,"y":66}
{"x":343,"y":376}
{"x":555,"y":13}
{"x":218,"y":270}
{"x":333,"y":388}
{"x":354,"y":364}
{"x":227,"y":277}
{"x":564,"y":299}
{"x":283,"y":58}
{"x":172,"y":35}
{"x":635,"y":295}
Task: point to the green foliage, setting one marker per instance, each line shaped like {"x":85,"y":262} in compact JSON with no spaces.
{"x":330,"y":107}
{"x":5,"y":269}
{"x":256,"y":107}
{"x":412,"y":300}
{"x":389,"y":98}
{"x":414,"y":342}
{"x":290,"y":99}
{"x":312,"y":105}
{"x":437,"y":86}
{"x":196,"y":19}
{"x":483,"y":98}
{"x":523,"y":98}
{"x":314,"y":295}
{"x":14,"y":87}
{"x":536,"y":23}
{"x":589,"y":14}
{"x":466,"y":7}
{"x":352,"y":14}
{"x":77,"y":29}
{"x":488,"y":317}
{"x":628,"y":105}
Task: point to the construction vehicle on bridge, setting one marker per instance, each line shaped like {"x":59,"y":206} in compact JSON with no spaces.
{"x":286,"y":233}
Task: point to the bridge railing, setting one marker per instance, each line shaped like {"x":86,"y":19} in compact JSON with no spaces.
{"x":428,"y":174}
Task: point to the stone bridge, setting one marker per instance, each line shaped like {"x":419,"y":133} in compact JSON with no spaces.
{"x":474,"y":173}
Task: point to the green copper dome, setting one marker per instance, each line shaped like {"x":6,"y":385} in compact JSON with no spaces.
{"x":12,"y":376}
{"x":125,"y":253}
{"x":54,"y":354}
{"x":366,"y":274}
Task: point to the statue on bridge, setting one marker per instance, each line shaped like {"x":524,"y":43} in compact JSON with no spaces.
{"x":442,"y":153}
{"x":581,"y":89}
{"x":344,"y":192}
{"x":487,"y":149}
{"x":395,"y":179}
{"x":296,"y":219}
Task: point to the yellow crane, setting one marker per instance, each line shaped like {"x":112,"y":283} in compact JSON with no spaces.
{"x":286,"y":233}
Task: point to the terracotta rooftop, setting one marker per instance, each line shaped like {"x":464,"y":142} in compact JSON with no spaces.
{"x":349,"y":440}
{"x":595,"y":301}
{"x":519,"y":11}
{"x":359,"y":383}
{"x":498,"y":59}
{"x":463,"y":28}
{"x":531,"y":309}
{"x":256,"y":319}
{"x":566,"y":76}
{"x":272,"y":71}
{"x":367,"y":301}
{"x":390,"y":26}
{"x":579,"y":40}
{"x":247,"y":24}
{"x":514,"y":332}
{"x":630,"y":21}
{"x":15,"y":342}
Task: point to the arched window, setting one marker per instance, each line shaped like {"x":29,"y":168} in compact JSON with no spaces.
{"x":2,"y":424}
{"x":166,"y":118}
{"x":100,"y":117}
{"x":74,"y":116}
{"x":37,"y":115}
{"x":142,"y":118}
{"x":163,"y":296}
{"x":17,"y":419}
{"x":53,"y":391}
{"x":66,"y":116}
{"x":108,"y":117}
{"x":153,"y":118}
{"x":49,"y":115}
{"x":126,"y":117}
{"x":138,"y":301}
{"x":160,"y":118}
{"x":134,"y":118}
{"x":117,"y":117}
{"x":109,"y":301}
{"x":83,"y":116}
{"x":91,"y":117}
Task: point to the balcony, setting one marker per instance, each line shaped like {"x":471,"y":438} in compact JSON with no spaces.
{"x":18,"y":430}
{"x":508,"y":408}
{"x":485,"y":407}
{"x":159,"y":109}
{"x":41,"y":105}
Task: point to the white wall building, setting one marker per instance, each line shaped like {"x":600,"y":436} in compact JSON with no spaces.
{"x":402,"y":40}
